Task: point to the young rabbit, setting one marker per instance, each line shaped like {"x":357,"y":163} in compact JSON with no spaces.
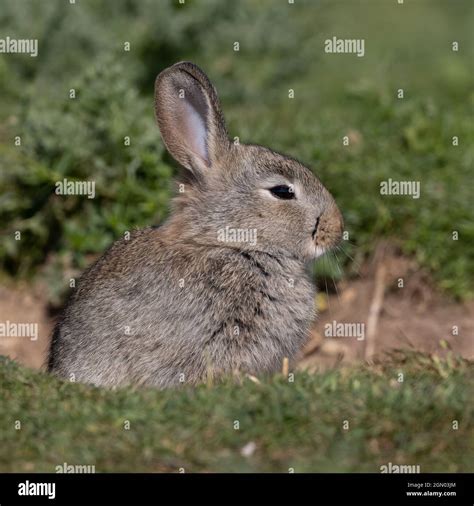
{"x":221,"y":286}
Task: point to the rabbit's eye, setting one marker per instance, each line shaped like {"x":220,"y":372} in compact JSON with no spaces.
{"x":283,"y":192}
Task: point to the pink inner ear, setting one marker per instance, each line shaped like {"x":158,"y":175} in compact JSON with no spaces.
{"x":195,"y":132}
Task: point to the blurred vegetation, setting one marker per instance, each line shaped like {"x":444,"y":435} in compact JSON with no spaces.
{"x":81,"y":47}
{"x":297,"y":425}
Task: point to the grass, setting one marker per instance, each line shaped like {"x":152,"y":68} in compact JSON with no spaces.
{"x":295,"y":425}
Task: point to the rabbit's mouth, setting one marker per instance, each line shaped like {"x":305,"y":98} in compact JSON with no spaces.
{"x":315,"y":230}
{"x":319,"y":252}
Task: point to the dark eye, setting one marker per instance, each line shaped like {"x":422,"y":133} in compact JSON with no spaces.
{"x":283,"y":192}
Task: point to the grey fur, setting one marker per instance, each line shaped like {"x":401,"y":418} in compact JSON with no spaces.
{"x":176,"y":304}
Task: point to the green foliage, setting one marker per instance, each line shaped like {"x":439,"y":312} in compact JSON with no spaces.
{"x":69,"y":139}
{"x":298,"y":425}
{"x":81,"y":46}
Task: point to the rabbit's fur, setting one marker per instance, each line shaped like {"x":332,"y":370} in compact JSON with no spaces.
{"x":178,"y":303}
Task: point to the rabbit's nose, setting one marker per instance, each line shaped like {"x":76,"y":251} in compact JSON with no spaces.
{"x":328,"y":228}
{"x":337,"y":225}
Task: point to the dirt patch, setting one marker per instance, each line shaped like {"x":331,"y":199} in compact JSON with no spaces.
{"x":410,"y":313}
{"x":405,"y":312}
{"x":24,"y":304}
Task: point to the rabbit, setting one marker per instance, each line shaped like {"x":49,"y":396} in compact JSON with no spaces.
{"x":222,"y":286}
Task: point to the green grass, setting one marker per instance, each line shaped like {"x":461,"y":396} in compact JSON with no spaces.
{"x":293,"y":425}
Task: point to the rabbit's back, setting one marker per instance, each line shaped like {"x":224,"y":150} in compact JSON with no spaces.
{"x":159,"y":312}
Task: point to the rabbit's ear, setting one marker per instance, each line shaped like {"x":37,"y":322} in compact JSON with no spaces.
{"x":189,"y":116}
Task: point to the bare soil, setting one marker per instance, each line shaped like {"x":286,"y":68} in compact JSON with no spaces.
{"x":411,"y":313}
{"x":21,"y":303}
